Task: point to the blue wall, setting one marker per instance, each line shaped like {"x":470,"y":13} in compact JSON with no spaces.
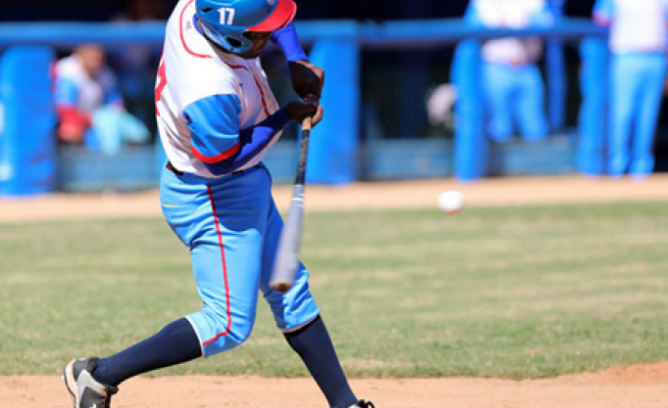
{"x":336,"y":45}
{"x":27,"y":146}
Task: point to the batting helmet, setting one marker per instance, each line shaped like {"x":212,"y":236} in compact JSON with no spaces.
{"x":225,"y":21}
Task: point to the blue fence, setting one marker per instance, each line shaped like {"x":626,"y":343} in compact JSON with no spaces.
{"x":337,"y":153}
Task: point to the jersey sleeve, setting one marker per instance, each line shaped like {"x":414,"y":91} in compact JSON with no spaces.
{"x":253,"y":141}
{"x":66,"y":92}
{"x":286,"y":39}
{"x":214,"y":127}
{"x":604,"y":11}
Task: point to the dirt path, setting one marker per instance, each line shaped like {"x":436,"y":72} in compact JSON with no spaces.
{"x":630,"y":387}
{"x":405,"y":194}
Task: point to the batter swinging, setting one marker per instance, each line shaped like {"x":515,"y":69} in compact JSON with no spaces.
{"x":217,"y":117}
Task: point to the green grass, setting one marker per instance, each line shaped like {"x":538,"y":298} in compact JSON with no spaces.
{"x":520,"y":292}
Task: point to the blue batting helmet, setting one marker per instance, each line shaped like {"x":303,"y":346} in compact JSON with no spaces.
{"x":225,"y":21}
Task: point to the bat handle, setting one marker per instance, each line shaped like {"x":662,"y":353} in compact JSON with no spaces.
{"x":307,"y":123}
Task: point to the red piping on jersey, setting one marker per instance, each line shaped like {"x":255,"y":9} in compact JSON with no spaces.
{"x":257,"y":83}
{"x":162,"y":82}
{"x":183,"y":40}
{"x":222,"y":256}
{"x":264,"y":103}
{"x":219,"y":157}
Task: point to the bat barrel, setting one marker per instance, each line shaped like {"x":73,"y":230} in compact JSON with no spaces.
{"x":287,"y":254}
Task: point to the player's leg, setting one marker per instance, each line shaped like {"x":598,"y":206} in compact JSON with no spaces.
{"x":221,"y":230}
{"x":498,"y":84}
{"x":93,"y":381}
{"x":529,"y":108}
{"x":592,"y":125}
{"x":624,"y":86}
{"x":649,"y":103}
{"x":226,"y":246}
{"x":298,"y":316}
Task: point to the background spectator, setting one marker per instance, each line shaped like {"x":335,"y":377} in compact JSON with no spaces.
{"x":637,"y":71}
{"x":512,"y":85}
{"x":90,"y":107}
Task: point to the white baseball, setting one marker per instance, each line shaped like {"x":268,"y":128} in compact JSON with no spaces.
{"x":451,"y":202}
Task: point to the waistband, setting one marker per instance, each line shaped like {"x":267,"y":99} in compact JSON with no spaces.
{"x":195,"y":177}
{"x":171,"y":168}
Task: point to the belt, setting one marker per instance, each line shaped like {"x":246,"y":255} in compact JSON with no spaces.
{"x":179,"y":173}
{"x":171,"y":168}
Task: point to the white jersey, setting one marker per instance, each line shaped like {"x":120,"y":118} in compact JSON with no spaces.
{"x":191,"y":69}
{"x":635,"y":25}
{"x":516,"y":14}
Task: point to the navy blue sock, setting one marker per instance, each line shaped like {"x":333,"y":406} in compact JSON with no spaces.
{"x":314,"y":346}
{"x":176,"y":343}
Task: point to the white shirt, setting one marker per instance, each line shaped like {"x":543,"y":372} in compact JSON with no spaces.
{"x":192,"y":69}
{"x":515,"y":14}
{"x":78,"y":88}
{"x":635,"y":25}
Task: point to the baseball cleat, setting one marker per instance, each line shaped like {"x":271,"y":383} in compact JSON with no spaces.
{"x":85,"y":390}
{"x":363,"y":404}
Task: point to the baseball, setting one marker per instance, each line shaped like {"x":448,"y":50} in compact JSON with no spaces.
{"x":451,"y":202}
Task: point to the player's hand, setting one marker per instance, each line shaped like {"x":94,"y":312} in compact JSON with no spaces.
{"x":307,"y":79}
{"x":298,"y":111}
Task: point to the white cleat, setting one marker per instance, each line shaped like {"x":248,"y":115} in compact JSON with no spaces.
{"x":85,"y":390}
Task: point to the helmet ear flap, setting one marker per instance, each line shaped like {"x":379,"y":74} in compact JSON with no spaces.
{"x":233,"y":42}
{"x":230,"y":40}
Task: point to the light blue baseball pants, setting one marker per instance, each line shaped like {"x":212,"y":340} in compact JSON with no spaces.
{"x":232,"y":228}
{"x":636,"y":88}
{"x":514,"y":95}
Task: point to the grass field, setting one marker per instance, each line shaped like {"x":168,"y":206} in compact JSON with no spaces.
{"x":517,"y":292}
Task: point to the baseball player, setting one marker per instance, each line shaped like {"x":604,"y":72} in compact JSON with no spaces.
{"x":217,"y":116}
{"x":637,"y":71}
{"x":513,"y":87}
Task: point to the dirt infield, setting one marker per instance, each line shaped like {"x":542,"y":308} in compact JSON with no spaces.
{"x":404,"y":194}
{"x":631,"y":387}
{"x":643,"y":386}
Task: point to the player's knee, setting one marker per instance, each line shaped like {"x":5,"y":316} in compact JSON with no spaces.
{"x":240,"y":333}
{"x":232,"y":330}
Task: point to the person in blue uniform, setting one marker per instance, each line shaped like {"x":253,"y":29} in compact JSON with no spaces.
{"x":637,"y":73}
{"x":513,"y":88}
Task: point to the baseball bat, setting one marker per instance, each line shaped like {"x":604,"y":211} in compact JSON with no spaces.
{"x":287,"y":254}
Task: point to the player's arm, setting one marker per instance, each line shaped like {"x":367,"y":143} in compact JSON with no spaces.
{"x":73,"y":122}
{"x":307,"y":79}
{"x":219,"y":143}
